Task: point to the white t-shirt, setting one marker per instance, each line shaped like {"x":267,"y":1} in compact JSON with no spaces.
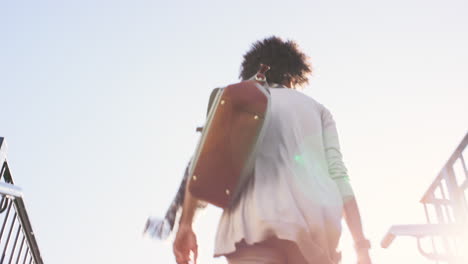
{"x":299,"y":185}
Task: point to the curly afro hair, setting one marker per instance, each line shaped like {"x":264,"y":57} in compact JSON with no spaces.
{"x":287,"y":62}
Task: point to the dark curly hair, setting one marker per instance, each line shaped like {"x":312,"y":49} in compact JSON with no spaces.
{"x":287,"y":62}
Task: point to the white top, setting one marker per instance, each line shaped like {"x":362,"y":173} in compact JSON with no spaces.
{"x":299,"y":185}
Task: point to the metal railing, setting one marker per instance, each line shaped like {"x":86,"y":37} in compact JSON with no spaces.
{"x":445,"y":206}
{"x":17,"y":241}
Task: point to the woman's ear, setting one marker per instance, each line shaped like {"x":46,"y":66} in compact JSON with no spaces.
{"x":288,"y":83}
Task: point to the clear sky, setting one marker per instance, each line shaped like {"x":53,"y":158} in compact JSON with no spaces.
{"x":100,"y":100}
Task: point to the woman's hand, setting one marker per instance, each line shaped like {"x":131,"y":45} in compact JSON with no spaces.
{"x":184,"y":243}
{"x":363,"y":256}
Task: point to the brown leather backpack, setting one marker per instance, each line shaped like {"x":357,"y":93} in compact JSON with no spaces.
{"x":224,"y":159}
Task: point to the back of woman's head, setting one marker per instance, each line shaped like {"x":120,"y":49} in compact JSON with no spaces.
{"x":287,"y":62}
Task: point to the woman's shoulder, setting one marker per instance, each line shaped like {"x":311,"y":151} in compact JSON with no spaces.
{"x":300,"y":97}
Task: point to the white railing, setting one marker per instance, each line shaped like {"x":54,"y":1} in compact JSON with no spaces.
{"x":446,"y":212}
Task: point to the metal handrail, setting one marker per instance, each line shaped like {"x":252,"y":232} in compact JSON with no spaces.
{"x":450,"y":162}
{"x":10,"y":190}
{"x":20,"y":245}
{"x":450,"y":224}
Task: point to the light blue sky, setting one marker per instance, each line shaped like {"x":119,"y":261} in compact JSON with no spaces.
{"x":100,"y":99}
